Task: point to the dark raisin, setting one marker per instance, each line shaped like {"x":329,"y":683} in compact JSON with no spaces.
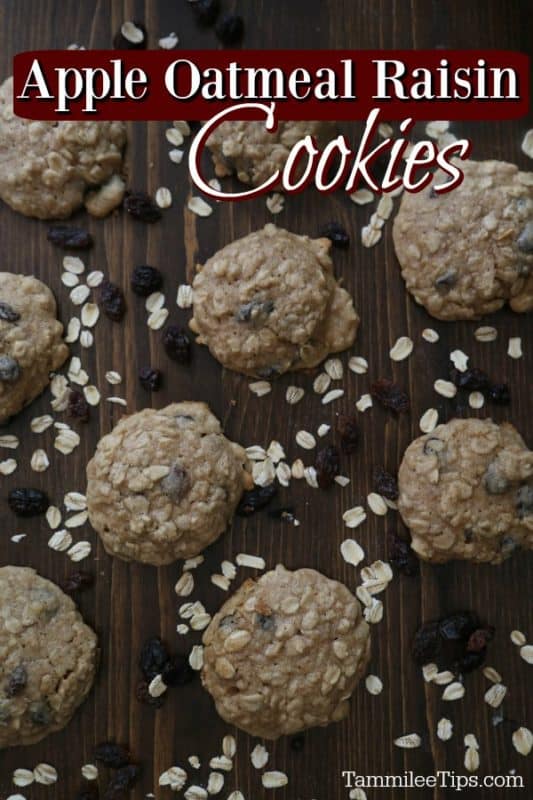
{"x":349,"y":433}
{"x":499,"y":394}
{"x":177,"y":344}
{"x":256,"y":312}
{"x":112,"y":301}
{"x":494,"y":481}
{"x":140,"y":206}
{"x":434,"y":446}
{"x":17,"y":681}
{"x":524,"y":501}
{"x":70,"y":237}
{"x":143,"y":696}
{"x":385,"y":484}
{"x":78,"y":582}
{"x":177,"y":483}
{"x":473,"y":380}
{"x":267,"y":622}
{"x":297,"y":743}
{"x":40,"y":713}
{"x":111,"y":754}
{"x":8,"y":313}
{"x":403,"y":557}
{"x":286,"y":513}
{"x":78,"y":407}
{"x":426,"y":644}
{"x":255,"y":500}
{"x":27,"y":502}
{"x":268,"y":372}
{"x":468,"y":662}
{"x":123,"y":780}
{"x":9,"y":369}
{"x":432,"y":193}
{"x":88,"y":792}
{"x":390,"y":395}
{"x":230,"y":29}
{"x":154,"y":656}
{"x":458,"y":626}
{"x":337,"y":234}
{"x":479,"y":639}
{"x":121,"y":42}
{"x":206,"y":11}
{"x":145,"y":280}
{"x":445,"y":281}
{"x":525,"y":239}
{"x":150,"y":379}
{"x":178,"y":671}
{"x":327,"y":466}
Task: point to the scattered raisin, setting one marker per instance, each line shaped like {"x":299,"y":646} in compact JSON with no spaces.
{"x":426,"y":644}
{"x":143,"y":695}
{"x":177,"y":483}
{"x":267,"y":622}
{"x":177,"y":344}
{"x":297,"y":743}
{"x":78,"y":581}
{"x":403,"y":557}
{"x":27,"y":502}
{"x":469,"y":661}
{"x":349,"y":433}
{"x":327,"y":466}
{"x":230,"y":29}
{"x":150,"y":379}
{"x":458,"y":626}
{"x":473,"y":380}
{"x":154,"y":656}
{"x":206,"y":11}
{"x":88,"y":792}
{"x":111,"y":754}
{"x":255,"y":500}
{"x":8,"y":313}
{"x":123,"y":780}
{"x":385,"y":484}
{"x":40,"y":713}
{"x":121,"y":43}
{"x":112,"y":301}
{"x":140,"y":206}
{"x":525,"y":239}
{"x":70,"y":237}
{"x":479,"y":639}
{"x":457,"y":640}
{"x":445,"y":281}
{"x":390,"y":395}
{"x":17,"y":681}
{"x":286,"y":514}
{"x":524,"y":501}
{"x":177,"y":671}
{"x":78,"y":407}
{"x":9,"y":369}
{"x":337,"y":234}
{"x":499,"y":394}
{"x":145,"y":280}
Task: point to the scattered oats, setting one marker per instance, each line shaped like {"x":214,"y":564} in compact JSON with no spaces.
{"x":12,"y":442}
{"x":444,"y":729}
{"x":199,"y":622}
{"x":492,"y":675}
{"x":459,"y":360}
{"x":8,"y":466}
{"x":75,"y":501}
{"x":229,"y":746}
{"x":430,"y":335}
{"x":92,"y":395}
{"x":86,"y":339}
{"x":377,"y":504}
{"x":310,"y":477}
{"x":443,"y":678}
{"x":374,"y":612}
{"x":157,"y":686}
{"x":220,"y":581}
{"x":476,"y":400}
{"x":385,"y":130}
{"x":80,"y":294}
{"x":385,"y":206}
{"x":437,"y":128}
{"x":23,"y":777}
{"x":370,"y":236}
{"x":332,"y":395}
{"x":275,"y":203}
{"x":163,"y":197}
{"x":60,"y":540}
{"x":16,"y":797}
{"x":518,"y":638}
{"x":445,"y":388}
{"x":454,"y":691}
{"x":221,"y":762}
{"x":254,"y":562}
{"x":321,"y":383}
{"x":194,"y":761}
{"x":306,"y":440}
{"x":523,"y":741}
{"x":527,"y":143}
{"x":215,"y":783}
{"x":471,"y":759}
{"x":79,"y":551}
{"x":354,"y":517}
{"x":294,"y":394}
{"x":352,"y":552}
{"x":323,"y":429}
{"x":74,"y":265}
{"x":429,"y":420}
{"x":185,"y":296}
{"x":73,"y":330}
{"x":132,"y":32}
{"x":192,"y":563}
{"x":176,"y":156}
{"x":486,"y":333}
{"x":471,"y":741}
{"x":283,"y":473}
{"x":77,"y":520}
{"x":263,"y":472}
{"x":195,"y":793}
{"x":18,"y":537}
{"x":58,"y":385}
{"x":357,"y":794}
{"x":154,"y":301}
{"x":342,"y":480}
{"x":275,"y":451}
{"x":39,"y":461}
{"x":259,"y":756}
{"x":514,"y":349}
{"x":198,"y":206}
{"x":168,"y":42}
{"x":182,"y":629}
{"x":334,"y":369}
{"x":374,"y":685}
{"x":297,"y":469}
{"x":182,"y":126}
{"x":409,"y":741}
{"x":364,"y":596}
{"x":260,"y":388}
{"x":358,"y":364}
{"x":119,"y":401}
{"x":364,"y":402}
{"x":526,"y":652}
{"x":112,"y":377}
{"x":175,"y":777}
{"x":69,"y":280}
{"x":66,"y":441}
{"x":89,"y":772}
{"x":228,"y":569}
{"x":90,"y":314}
{"x":157,"y":319}
{"x":95,"y":278}
{"x":185,"y":585}
{"x":362,"y":197}
{"x":256,"y":453}
{"x":174,"y":136}
{"x":45,"y":774}
{"x":274,"y":779}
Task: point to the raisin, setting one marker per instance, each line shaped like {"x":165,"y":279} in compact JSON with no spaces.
{"x":473,"y":380}
{"x":390,"y":395}
{"x":27,"y":502}
{"x":385,"y":484}
{"x":140,"y":205}
{"x":426,"y":644}
{"x":121,"y":43}
{"x":337,"y":235}
{"x":286,"y":514}
{"x":469,"y":661}
{"x":78,"y":582}
{"x":69,"y":237}
{"x":111,"y":754}
{"x":403,"y":557}
{"x":479,"y":639}
{"x":494,"y":481}
{"x":525,"y":239}
{"x":145,"y":280}
{"x":40,"y":713}
{"x":143,"y":695}
{"x":112,"y":301}
{"x":8,"y":313}
{"x":78,"y":407}
{"x":255,"y":500}
{"x":177,"y":344}
{"x":458,"y":626}
{"x":267,"y":622}
{"x":349,"y":433}
{"x":150,"y":379}
{"x":499,"y":394}
{"x":230,"y":29}
{"x":177,"y":483}
{"x":206,"y":11}
{"x":17,"y":681}
{"x":178,"y":671}
{"x":9,"y":369}
{"x":327,"y":466}
{"x":154,"y":656}
{"x":524,"y":501}
{"x":297,"y":743}
{"x":123,"y":780}
{"x":446,"y":281}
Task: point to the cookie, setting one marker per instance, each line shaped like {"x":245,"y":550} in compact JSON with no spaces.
{"x":31,"y":346}
{"x":164,"y":484}
{"x":268,"y":303}
{"x":467,"y":252}
{"x":285,"y":653}
{"x":47,"y":167}
{"x":253,"y":153}
{"x":48,"y":657}
{"x":466,"y":492}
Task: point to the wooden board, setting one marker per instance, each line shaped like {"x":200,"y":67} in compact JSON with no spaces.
{"x":131,"y":602}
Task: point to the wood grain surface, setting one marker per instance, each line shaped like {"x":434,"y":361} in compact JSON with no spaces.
{"x":131,"y":602}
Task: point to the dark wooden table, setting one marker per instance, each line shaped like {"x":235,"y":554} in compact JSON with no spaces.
{"x":129,"y":602}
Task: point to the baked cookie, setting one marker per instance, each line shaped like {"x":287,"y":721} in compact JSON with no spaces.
{"x":164,"y":484}
{"x":31,"y":346}
{"x":48,"y":657}
{"x":466,"y":492}
{"x":285,"y":653}
{"x":253,"y":153}
{"x":268,"y":303}
{"x":47,"y":167}
{"x":469,"y":251}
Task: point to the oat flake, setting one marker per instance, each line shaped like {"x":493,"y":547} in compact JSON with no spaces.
{"x":402,"y":348}
{"x":199,"y":207}
{"x":174,"y":136}
{"x":274,"y":779}
{"x":185,"y":585}
{"x":334,"y":394}
{"x":275,"y":203}
{"x":306,"y":440}
{"x":444,"y":729}
{"x":352,"y":552}
{"x":8,"y":466}
{"x":354,"y":517}
{"x":294,"y":394}
{"x":362,"y":197}
{"x":358,"y":364}
{"x":430,"y":335}
{"x":163,"y":197}
{"x":514,"y":349}
{"x":526,"y":652}
{"x":454,"y":691}
{"x":176,"y":156}
{"x":429,"y":420}
{"x":364,"y":402}
{"x":409,"y":741}
{"x":459,"y":360}
{"x":334,"y":369}
{"x":377,"y":504}
{"x":445,"y":388}
{"x":184,"y":297}
{"x":259,"y":756}
{"x":321,"y":383}
{"x":89,"y":772}
{"x":523,"y":741}
{"x":471,"y":759}
{"x":45,"y":774}
{"x":373,"y":684}
{"x":476,"y":400}
{"x":486,"y":333}
{"x":23,"y":777}
{"x":260,"y":388}
{"x":518,"y":638}
{"x":246,"y":560}
{"x":79,"y":551}
{"x":527,"y":143}
{"x":92,"y":395}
